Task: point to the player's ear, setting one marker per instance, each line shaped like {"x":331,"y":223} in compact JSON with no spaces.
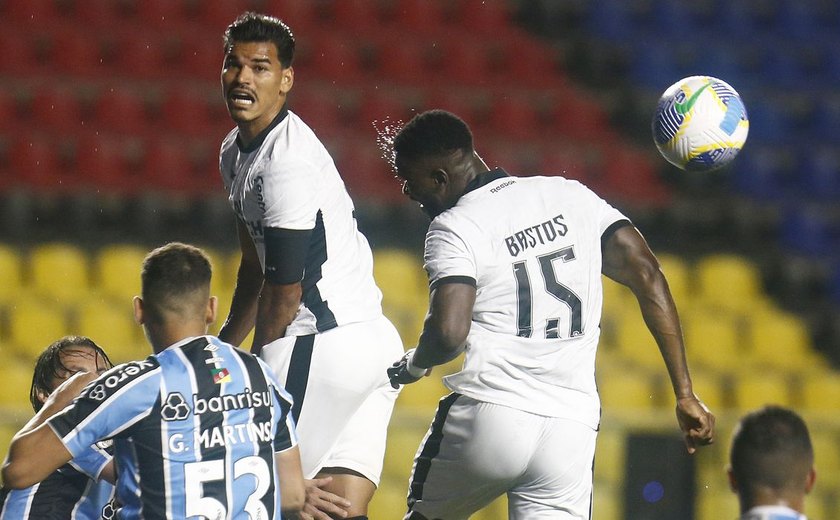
{"x":440,"y":176}
{"x":733,"y":484}
{"x":212,"y":309}
{"x":287,"y":79}
{"x":810,"y":480}
{"x":138,"y":310}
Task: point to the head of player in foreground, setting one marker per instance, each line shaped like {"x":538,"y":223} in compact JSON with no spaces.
{"x":771,"y":460}
{"x":257,"y":72}
{"x":175,"y":302}
{"x":62,"y":359}
{"x":434,"y":155}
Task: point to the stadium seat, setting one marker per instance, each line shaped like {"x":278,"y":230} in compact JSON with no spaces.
{"x":143,"y":55}
{"x":482,"y":17}
{"x":218,"y":14}
{"x":56,"y":109}
{"x":712,"y":339}
{"x":419,"y":15}
{"x":827,"y":456}
{"x":186,"y":112}
{"x":729,"y":282}
{"x":336,"y":59}
{"x":610,"y":457}
{"x":403,"y":440}
{"x":406,"y":63}
{"x":34,"y":323}
{"x":820,"y":392}
{"x":321,"y":110}
{"x":634,"y":342}
{"x":117,"y":272}
{"x":627,"y":389}
{"x":389,"y":500}
{"x":122,"y":111}
{"x":606,"y":501}
{"x":679,"y":276}
{"x":167,"y":166}
{"x":819,"y":177}
{"x":103,"y":14}
{"x":710,"y":387}
{"x":35,"y":162}
{"x":161,"y":13}
{"x":11,"y":274}
{"x":422,"y":396}
{"x":59,"y":272}
{"x":380,"y":106}
{"x":516,"y":117}
{"x":754,"y":389}
{"x":760,"y":174}
{"x":465,"y":61}
{"x":495,"y":510}
{"x":717,"y":504}
{"x":16,"y":384}
{"x":780,"y":339}
{"x":301,"y":15}
{"x":102,"y":162}
{"x":33,"y":13}
{"x":400,"y":276}
{"x":810,"y":230}
{"x":75,"y":56}
{"x":360,"y":15}
{"x":111,"y":325}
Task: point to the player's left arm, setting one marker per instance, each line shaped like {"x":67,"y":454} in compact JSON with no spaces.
{"x":444,"y":331}
{"x":628,"y":260}
{"x":36,"y":450}
{"x":290,"y":481}
{"x":279,"y":301}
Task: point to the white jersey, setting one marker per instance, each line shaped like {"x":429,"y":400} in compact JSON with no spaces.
{"x":772,"y":513}
{"x":533,"y":247}
{"x":287,"y":179}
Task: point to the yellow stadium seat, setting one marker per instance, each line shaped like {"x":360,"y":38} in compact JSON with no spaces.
{"x":59,"y":271}
{"x":496,"y":510}
{"x":756,"y":389}
{"x":716,"y":505}
{"x":610,"y":457}
{"x":400,"y":450}
{"x":712,"y":339}
{"x":826,"y":457}
{"x":17,"y":380}
{"x":11,"y":274}
{"x":400,"y":276}
{"x":117,"y":271}
{"x":780,"y":339}
{"x":422,"y":396}
{"x":710,"y":388}
{"x":34,"y":323}
{"x":729,"y":282}
{"x":389,"y":500}
{"x":635,"y":343}
{"x":821,"y":391}
{"x":113,"y":328}
{"x":627,"y":389}
{"x":606,"y":503}
{"x":678,"y":274}
{"x":220,"y":282}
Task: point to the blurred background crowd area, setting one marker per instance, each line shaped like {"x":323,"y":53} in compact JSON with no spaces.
{"x":113,"y":116}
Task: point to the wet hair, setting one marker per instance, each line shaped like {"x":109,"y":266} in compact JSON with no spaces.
{"x":175,"y":279}
{"x":255,"y":27}
{"x":771,"y":448}
{"x":49,"y":366}
{"x":434,"y":133}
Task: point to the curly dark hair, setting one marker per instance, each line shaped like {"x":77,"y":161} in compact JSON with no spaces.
{"x":433,"y":133}
{"x":49,"y":366}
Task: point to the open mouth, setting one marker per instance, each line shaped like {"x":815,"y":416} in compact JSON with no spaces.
{"x":242,"y":99}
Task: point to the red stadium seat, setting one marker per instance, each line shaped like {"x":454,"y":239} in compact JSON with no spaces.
{"x":199,"y":55}
{"x":419,"y":15}
{"x":216,"y":15}
{"x":34,"y":160}
{"x":464,"y":60}
{"x":318,"y":108}
{"x":98,"y":13}
{"x":21,"y":52}
{"x":367,"y":176}
{"x":336,"y":59}
{"x":102,"y":162}
{"x":161,"y":13}
{"x":78,"y":54}
{"x":299,"y":14}
{"x":514,"y":116}
{"x":168,"y":166}
{"x":143,"y":55}
{"x":481,"y":16}
{"x":380,"y":106}
{"x":121,"y":110}
{"x":186,"y":112}
{"x":358,"y":15}
{"x":57,"y":109}
{"x":531,"y":63}
{"x":407,"y":62}
{"x":30,"y":12}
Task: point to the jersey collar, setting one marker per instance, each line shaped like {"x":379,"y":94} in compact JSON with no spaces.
{"x":484,"y":179}
{"x":258,"y":140}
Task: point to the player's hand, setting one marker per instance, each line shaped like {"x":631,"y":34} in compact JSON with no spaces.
{"x":70,"y":389}
{"x":321,"y":504}
{"x":399,"y":373}
{"x":696,"y":422}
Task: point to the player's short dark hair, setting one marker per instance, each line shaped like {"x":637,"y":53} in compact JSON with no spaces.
{"x":174,"y":277}
{"x":771,"y":448}
{"x":50,"y":366}
{"x":256,"y":27}
{"x":434,"y":133}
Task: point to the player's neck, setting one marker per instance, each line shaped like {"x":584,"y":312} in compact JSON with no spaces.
{"x":768,"y":498}
{"x":163,"y":336}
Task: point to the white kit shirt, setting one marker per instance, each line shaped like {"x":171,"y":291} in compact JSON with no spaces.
{"x":533,"y":247}
{"x":287,"y":179}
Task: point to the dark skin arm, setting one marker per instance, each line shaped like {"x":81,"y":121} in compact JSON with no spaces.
{"x":629,"y":261}
{"x":447,"y":324}
{"x":278,"y":305}
{"x":249,"y":282}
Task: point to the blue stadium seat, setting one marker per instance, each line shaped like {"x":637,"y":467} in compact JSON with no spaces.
{"x":811,"y":230}
{"x":759,"y":173}
{"x":610,"y":20}
{"x":819,"y":174}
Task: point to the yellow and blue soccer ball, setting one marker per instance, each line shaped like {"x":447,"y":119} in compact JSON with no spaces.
{"x":700,"y":123}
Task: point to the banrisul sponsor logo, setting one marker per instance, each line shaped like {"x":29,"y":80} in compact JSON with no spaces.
{"x":225,"y":403}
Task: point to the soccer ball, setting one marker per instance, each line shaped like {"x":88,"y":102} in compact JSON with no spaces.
{"x":700,"y":124}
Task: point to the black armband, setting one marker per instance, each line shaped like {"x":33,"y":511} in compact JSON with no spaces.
{"x":285,"y":254}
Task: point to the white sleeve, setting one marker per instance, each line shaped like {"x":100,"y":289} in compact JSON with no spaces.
{"x":447,"y":253}
{"x":290,"y":195}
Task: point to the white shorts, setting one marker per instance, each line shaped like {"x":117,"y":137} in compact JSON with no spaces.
{"x":475,"y":451}
{"x":342,"y":397}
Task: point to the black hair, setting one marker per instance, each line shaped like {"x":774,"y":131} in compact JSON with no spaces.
{"x":174,"y":277}
{"x":772,"y":448}
{"x":49,"y":366}
{"x":255,"y":27}
{"x":433,"y":133}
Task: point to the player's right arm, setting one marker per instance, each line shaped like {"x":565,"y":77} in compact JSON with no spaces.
{"x":290,"y":480}
{"x":249,"y":282}
{"x":628,"y":260}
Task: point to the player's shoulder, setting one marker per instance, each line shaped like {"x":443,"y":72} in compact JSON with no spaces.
{"x":229,"y":141}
